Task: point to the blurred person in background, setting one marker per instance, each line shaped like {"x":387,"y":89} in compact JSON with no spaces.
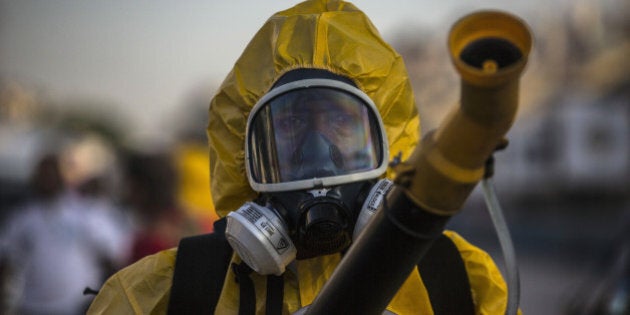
{"x":193,"y":185}
{"x":190,"y":154}
{"x":22,"y":140}
{"x":62,"y":240}
{"x":89,"y":166}
{"x":151,"y":192}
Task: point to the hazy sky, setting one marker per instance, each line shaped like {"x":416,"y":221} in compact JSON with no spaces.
{"x":146,"y":56}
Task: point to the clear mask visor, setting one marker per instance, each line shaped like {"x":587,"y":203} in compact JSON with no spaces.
{"x":313,"y":133}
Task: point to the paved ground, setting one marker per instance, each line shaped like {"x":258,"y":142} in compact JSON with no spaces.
{"x":557,"y":249}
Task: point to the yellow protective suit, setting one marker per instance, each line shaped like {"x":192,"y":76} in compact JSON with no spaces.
{"x":332,"y":35}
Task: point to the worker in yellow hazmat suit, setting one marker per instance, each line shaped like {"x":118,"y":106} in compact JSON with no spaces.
{"x":308,"y":119}
{"x":191,"y":160}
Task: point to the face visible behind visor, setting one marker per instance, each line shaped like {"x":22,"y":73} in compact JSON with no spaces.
{"x":314,"y":133}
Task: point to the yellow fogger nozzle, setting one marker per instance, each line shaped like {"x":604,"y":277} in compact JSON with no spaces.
{"x":489,"y":49}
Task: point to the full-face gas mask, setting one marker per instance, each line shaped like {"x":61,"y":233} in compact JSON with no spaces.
{"x":314,"y":151}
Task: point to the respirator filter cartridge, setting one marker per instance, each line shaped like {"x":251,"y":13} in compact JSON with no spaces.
{"x":372,"y":203}
{"x":259,"y":237}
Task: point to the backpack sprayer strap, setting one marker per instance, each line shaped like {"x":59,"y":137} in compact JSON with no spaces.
{"x":200,"y":267}
{"x":202,"y":262}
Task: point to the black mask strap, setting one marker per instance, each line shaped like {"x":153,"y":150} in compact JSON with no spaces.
{"x":247,"y":298}
{"x":275,"y":293}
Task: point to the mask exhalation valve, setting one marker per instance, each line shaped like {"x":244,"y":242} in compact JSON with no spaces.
{"x":324,"y":232}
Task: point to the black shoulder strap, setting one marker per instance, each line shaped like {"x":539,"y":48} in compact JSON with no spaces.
{"x":202,"y":262}
{"x":444,"y":275}
{"x":200,"y":267}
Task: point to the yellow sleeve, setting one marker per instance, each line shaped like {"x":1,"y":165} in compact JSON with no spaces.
{"x":141,"y":288}
{"x":489,"y":291}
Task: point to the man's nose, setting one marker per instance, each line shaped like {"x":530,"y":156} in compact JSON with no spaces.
{"x":319,"y":151}
{"x":321,"y":125}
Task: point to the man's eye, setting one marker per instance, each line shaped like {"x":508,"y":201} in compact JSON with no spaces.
{"x":291,"y":123}
{"x":341,"y":120}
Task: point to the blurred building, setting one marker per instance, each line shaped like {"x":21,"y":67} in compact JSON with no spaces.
{"x":577,"y":142}
{"x":572,"y":133}
{"x":579,"y":145}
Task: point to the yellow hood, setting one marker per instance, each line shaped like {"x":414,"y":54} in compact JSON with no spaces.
{"x":332,"y":35}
